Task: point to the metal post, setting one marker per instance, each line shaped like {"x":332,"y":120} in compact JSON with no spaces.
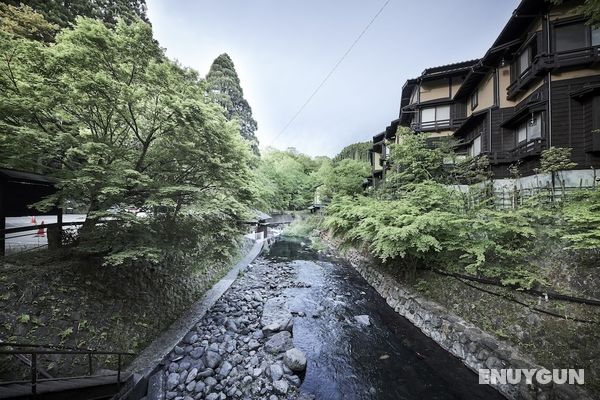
{"x":33,"y":373}
{"x":90,"y":363}
{"x":119,"y":370}
{"x":2,"y":221}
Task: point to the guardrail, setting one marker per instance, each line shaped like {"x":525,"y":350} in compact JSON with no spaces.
{"x":34,"y":350}
{"x":54,"y":233}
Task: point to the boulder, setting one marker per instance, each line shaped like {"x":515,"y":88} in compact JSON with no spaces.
{"x":295,"y":360}
{"x":279,"y":342}
{"x":276,"y":315}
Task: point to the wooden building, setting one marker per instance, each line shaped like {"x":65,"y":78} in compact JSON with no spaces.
{"x":537,"y":86}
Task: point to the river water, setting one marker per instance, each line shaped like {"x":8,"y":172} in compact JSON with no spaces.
{"x":389,"y":359}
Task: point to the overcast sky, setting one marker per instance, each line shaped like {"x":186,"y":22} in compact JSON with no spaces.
{"x":282,"y":49}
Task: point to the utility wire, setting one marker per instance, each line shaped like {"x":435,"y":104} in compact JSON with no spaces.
{"x":330,"y":72}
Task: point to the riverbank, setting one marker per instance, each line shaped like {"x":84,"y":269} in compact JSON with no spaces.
{"x":491,"y":327}
{"x":353,"y":344}
{"x":56,"y":298}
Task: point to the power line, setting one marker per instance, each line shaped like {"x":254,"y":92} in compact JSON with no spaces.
{"x":330,"y":72}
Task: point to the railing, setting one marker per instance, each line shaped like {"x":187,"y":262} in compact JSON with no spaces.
{"x":543,"y":62}
{"x":438,"y":125}
{"x":54,"y":231}
{"x":34,"y":350}
{"x":531,"y":148}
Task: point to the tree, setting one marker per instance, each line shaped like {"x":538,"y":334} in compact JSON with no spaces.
{"x":356,"y":151}
{"x":345,"y":177}
{"x":223,"y":86}
{"x":119,"y":124}
{"x":23,"y":21}
{"x":64,"y":13}
{"x":589,"y":8}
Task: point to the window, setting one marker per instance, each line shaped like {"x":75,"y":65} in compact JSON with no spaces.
{"x":596,"y":37}
{"x":475,"y":148}
{"x":530,"y":129}
{"x":474,"y":100}
{"x":524,"y":61}
{"x":434,"y":117}
{"x":571,"y":37}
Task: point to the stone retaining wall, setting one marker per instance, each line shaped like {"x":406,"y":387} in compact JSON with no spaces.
{"x":476,"y":348}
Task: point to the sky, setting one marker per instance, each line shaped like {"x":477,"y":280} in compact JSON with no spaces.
{"x":283,"y":49}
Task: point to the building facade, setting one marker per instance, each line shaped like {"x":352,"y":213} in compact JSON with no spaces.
{"x":537,"y":86}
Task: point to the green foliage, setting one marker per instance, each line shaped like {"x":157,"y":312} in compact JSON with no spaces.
{"x":589,"y":8}
{"x":418,"y":215}
{"x":223,"y":86}
{"x":345,"y":177}
{"x":285,"y":180}
{"x":23,"y":21}
{"x":556,"y":159}
{"x":105,"y":112}
{"x":356,"y":151}
{"x":582,"y":215}
{"x":64,"y":13}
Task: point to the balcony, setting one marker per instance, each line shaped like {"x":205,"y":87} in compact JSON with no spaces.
{"x":542,"y":63}
{"x":539,"y":66}
{"x":529,"y":149}
{"x":443,"y":124}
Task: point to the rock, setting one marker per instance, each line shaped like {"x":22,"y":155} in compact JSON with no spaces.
{"x":363,"y":320}
{"x":170,"y":395}
{"x":256,"y":372}
{"x":275,"y":313}
{"x":173,"y":367}
{"x":192,"y":375}
{"x":253,"y":344}
{"x":213,"y":359}
{"x":210,"y":382}
{"x":225,"y":369}
{"x":190,"y":386}
{"x":279,"y":342}
{"x":190,"y":338}
{"x":281,"y":386}
{"x":172,"y":380}
{"x":294,"y":380}
{"x":199,"y":387}
{"x":179,"y":350}
{"x":197,"y":352}
{"x":206,"y":373}
{"x":295,"y":360}
{"x":276,"y":372}
{"x":231,"y":326}
{"x":213,"y":396}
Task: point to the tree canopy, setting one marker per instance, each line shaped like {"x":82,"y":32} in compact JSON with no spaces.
{"x":64,"y":13}
{"x":223,"y":86}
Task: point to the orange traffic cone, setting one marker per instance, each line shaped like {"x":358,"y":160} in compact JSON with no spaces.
{"x":33,"y":221}
{"x":41,"y":231}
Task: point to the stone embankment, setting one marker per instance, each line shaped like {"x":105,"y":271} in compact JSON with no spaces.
{"x":243,"y":347}
{"x":474,"y":347}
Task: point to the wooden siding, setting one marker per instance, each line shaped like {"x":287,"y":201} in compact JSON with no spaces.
{"x":572,"y":120}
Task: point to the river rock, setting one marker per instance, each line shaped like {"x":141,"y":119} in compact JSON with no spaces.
{"x":279,"y":342}
{"x":192,"y":375}
{"x":276,"y":372}
{"x":281,"y":386}
{"x":275,"y":314}
{"x":172,"y":380}
{"x":225,"y":369}
{"x":295,"y":360}
{"x":213,"y":359}
{"x":363,"y":320}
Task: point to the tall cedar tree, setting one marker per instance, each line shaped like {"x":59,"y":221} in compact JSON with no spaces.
{"x":63,"y":13}
{"x":223,"y":86}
